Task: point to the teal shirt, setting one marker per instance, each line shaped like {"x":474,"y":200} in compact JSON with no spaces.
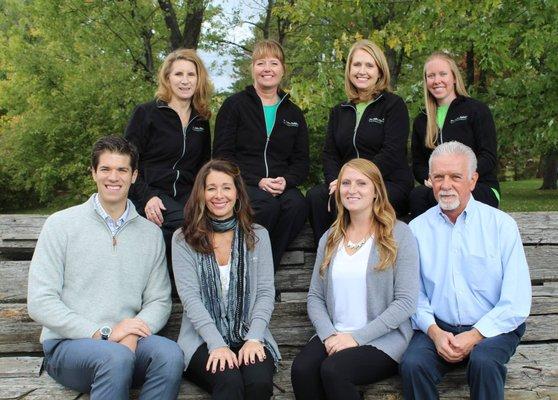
{"x":360,"y":107}
{"x":441,"y":112}
{"x":269,"y":113}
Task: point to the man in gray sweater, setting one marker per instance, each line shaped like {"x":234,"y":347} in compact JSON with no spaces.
{"x":98,"y":283}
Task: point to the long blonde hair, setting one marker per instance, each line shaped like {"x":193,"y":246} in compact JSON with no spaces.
{"x":383,"y":83}
{"x":382,"y":222}
{"x":430,"y":102}
{"x":202,"y":92}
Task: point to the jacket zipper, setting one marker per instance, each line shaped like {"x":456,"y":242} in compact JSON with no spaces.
{"x":267,"y":137}
{"x":113,"y":237}
{"x":357,"y":125}
{"x":184,"y":130}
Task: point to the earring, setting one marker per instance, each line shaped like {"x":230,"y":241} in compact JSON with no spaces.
{"x":239,"y":207}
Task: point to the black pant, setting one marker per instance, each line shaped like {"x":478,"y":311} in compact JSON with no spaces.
{"x":321,"y":219}
{"x":283,"y":216}
{"x":315,"y":375}
{"x":173,"y":218}
{"x":422,"y":198}
{"x":250,"y":382}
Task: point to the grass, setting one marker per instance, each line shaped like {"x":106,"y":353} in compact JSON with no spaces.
{"x":525,"y":196}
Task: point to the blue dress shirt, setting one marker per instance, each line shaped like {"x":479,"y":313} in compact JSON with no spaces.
{"x":473,"y":272}
{"x":113,"y":225}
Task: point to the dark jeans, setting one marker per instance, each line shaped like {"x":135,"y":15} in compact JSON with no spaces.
{"x":107,"y":369}
{"x":250,"y":382}
{"x":321,"y":219}
{"x":315,"y":375}
{"x":422,"y":368}
{"x":422,"y":198}
{"x":283,"y":216}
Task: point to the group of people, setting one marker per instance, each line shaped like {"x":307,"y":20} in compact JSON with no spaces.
{"x":452,"y":288}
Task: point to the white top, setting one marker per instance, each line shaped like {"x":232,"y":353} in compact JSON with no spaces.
{"x":225,"y":275}
{"x":349,"y":288}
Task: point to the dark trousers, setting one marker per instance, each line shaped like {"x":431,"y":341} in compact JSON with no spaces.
{"x":250,"y":382}
{"x":283,"y":216}
{"x":321,"y":219}
{"x":173,"y":218}
{"x":422,"y":368}
{"x":422,"y":198}
{"x":315,"y":375}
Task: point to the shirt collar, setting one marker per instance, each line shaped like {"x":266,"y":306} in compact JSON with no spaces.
{"x":465,"y":215}
{"x":106,"y":217}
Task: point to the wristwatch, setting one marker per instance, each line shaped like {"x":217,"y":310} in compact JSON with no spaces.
{"x":105,"y":332}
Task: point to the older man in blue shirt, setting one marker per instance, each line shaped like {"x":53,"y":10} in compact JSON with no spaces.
{"x":475,"y":287}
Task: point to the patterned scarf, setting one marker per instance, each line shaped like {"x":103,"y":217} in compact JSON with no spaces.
{"x":230,"y":314}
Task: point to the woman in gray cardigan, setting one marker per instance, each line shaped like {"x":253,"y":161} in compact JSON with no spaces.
{"x":363,"y":291}
{"x":223,"y":271}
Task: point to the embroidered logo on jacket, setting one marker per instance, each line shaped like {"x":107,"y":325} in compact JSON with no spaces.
{"x":376,"y":120}
{"x":197,"y":128}
{"x":460,"y":118}
{"x":292,"y":124}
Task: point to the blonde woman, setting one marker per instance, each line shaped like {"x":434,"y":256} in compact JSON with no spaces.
{"x":451,"y":115}
{"x":173,"y":140}
{"x":363,"y":292}
{"x":372,"y":123}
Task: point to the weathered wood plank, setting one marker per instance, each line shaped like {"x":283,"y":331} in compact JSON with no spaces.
{"x":289,"y":324}
{"x":293,"y":276}
{"x":531,"y":372}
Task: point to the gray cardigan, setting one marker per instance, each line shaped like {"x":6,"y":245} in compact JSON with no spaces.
{"x":392,"y":297}
{"x":197,"y":326}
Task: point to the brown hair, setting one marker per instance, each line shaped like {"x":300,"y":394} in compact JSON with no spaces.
{"x":383,"y":83}
{"x":197,"y":230}
{"x":269,"y":48}
{"x":203,"y":90}
{"x":382,"y":222}
{"x":114,"y":144}
{"x":430,"y":103}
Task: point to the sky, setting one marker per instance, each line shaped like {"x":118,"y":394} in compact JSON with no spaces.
{"x":223,"y":75}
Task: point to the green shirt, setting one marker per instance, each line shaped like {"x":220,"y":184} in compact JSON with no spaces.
{"x":441,"y":113}
{"x":360,"y":107}
{"x":269,"y":113}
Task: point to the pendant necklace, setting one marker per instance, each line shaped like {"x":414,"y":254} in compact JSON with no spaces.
{"x":357,"y":245}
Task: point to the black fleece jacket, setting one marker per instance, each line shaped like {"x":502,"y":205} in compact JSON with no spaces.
{"x":468,"y":121}
{"x":169,"y":156}
{"x":240,"y":136}
{"x":380,"y":137}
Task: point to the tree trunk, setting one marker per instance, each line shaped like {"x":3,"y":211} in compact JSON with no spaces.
{"x":550,"y":170}
{"x":193,"y":22}
{"x":395,"y":60}
{"x":470,"y":60}
{"x":175,"y":37}
{"x":267,"y":21}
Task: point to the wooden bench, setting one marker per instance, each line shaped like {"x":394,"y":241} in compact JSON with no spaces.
{"x":532,"y":372}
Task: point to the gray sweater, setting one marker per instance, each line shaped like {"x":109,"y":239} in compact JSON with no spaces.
{"x":82,"y":278}
{"x":197,"y":325}
{"x":392,"y":297}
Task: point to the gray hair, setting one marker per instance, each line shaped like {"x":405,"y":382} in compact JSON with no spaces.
{"x":455,"y":148}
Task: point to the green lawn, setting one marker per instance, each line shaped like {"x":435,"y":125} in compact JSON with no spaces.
{"x":525,"y":196}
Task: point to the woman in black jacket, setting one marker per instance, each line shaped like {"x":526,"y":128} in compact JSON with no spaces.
{"x":450,"y":114}
{"x":265,"y":134}
{"x":173,"y":140}
{"x":373,"y":124}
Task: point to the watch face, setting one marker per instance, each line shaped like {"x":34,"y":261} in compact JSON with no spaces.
{"x":105,"y":331}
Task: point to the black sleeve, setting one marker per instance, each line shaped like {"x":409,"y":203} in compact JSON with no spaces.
{"x":331,"y":159}
{"x":137,"y":132}
{"x":485,"y":139}
{"x":396,"y":134}
{"x":299,"y":162}
{"x":226,"y":129}
{"x":419,"y":152}
{"x":206,"y":150}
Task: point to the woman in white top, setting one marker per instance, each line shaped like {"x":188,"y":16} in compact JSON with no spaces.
{"x":363,"y":291}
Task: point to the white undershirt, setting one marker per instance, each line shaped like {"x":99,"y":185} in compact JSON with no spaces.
{"x":349,"y":288}
{"x":225,"y":275}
